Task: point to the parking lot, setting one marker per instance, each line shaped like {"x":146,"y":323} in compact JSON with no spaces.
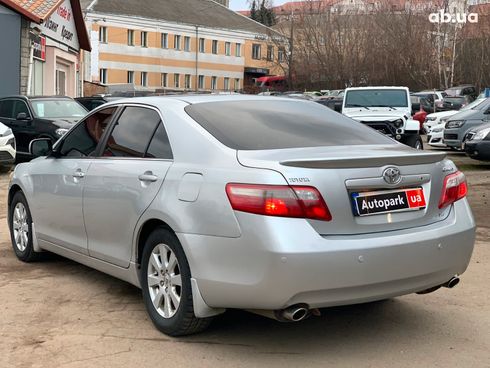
{"x":57,"y":313}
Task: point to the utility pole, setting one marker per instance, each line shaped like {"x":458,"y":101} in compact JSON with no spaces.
{"x":291,"y":50}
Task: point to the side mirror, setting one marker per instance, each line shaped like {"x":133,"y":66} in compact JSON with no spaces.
{"x":40,"y":147}
{"x":487,"y":112}
{"x":22,"y":116}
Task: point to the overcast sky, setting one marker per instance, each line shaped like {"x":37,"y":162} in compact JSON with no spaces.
{"x":244,"y":5}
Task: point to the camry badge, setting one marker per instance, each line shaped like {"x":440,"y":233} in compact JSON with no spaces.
{"x":392,"y":175}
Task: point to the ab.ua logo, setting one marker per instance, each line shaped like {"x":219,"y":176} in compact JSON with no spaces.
{"x":442,"y":17}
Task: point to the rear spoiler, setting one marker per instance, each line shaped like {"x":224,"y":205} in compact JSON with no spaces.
{"x":362,"y":162}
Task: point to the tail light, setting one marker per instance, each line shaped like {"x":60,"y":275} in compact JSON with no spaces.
{"x":278,"y":200}
{"x":454,"y":189}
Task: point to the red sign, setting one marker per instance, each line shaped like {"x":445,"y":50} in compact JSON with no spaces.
{"x":38,"y":43}
{"x":416,"y":198}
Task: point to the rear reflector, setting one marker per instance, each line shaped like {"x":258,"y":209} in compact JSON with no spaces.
{"x":454,"y":189}
{"x":278,"y":200}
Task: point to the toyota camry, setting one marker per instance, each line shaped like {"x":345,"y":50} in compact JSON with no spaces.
{"x":266,"y":204}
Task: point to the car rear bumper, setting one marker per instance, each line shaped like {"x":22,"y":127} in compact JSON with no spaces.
{"x":280,"y":262}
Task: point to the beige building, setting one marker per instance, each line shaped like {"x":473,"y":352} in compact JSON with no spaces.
{"x":176,"y":45}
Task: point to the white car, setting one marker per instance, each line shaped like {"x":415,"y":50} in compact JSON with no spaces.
{"x":435,"y":136}
{"x":437,"y":118}
{"x":7,"y":146}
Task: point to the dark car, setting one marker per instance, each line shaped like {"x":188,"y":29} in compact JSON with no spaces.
{"x":92,"y":102}
{"x":463,"y":90}
{"x":38,"y":117}
{"x":455,"y":103}
{"x":422,"y":103}
{"x":476,"y":143}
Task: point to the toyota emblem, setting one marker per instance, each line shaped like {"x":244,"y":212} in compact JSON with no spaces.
{"x":392,"y":175}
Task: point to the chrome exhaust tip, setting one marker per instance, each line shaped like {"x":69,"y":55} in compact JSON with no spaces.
{"x":295,"y":313}
{"x":452,"y":282}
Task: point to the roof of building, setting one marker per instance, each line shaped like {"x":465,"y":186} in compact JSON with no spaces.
{"x":38,"y":11}
{"x":205,"y":13}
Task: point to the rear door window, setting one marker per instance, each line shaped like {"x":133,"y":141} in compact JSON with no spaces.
{"x":132,"y":132}
{"x":7,"y":109}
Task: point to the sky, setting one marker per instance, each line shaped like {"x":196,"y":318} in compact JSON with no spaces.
{"x":244,"y":4}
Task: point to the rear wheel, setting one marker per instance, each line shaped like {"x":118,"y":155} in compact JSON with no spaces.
{"x":20,"y":223}
{"x":166,"y":286}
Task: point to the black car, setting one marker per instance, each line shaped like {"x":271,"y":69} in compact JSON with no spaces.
{"x":476,"y":143}
{"x":463,"y":90}
{"x":455,"y":103}
{"x":92,"y":102}
{"x":38,"y":117}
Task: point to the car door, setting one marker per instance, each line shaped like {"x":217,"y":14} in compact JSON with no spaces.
{"x":123,"y":181}
{"x":25,"y":129}
{"x":58,"y":184}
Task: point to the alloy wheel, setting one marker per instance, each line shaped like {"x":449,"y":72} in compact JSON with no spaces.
{"x":164,"y":280}
{"x":20,"y":226}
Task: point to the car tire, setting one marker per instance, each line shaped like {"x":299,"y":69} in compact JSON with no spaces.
{"x":20,"y":224}
{"x":163,"y":267}
{"x":415,"y":141}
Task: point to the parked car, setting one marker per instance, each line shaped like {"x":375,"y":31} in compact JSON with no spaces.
{"x":463,"y":90}
{"x":281,"y":209}
{"x":435,"y":136}
{"x":422,"y":101}
{"x":7,"y":146}
{"x":455,"y":103}
{"x":38,"y":117}
{"x":476,"y":143}
{"x":459,"y":124}
{"x":437,"y":96}
{"x":91,"y":103}
{"x":386,"y":109}
{"x":443,"y":116}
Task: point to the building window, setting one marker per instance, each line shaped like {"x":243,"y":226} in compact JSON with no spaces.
{"x":256,"y":51}
{"x":130,"y":37}
{"x":130,"y":76}
{"x":164,"y":40}
{"x":270,"y":53}
{"x":177,"y":80}
{"x":201,"y":45}
{"x":103,"y":76}
{"x":144,"y":39}
{"x":103,"y":34}
{"x":214,"y":82}
{"x":201,"y":82}
{"x":214,"y":49}
{"x":176,"y":42}
{"x":187,"y":81}
{"x":238,"y":50}
{"x":164,"y":80}
{"x":280,"y":55}
{"x":227,"y":48}
{"x":144,"y":79}
{"x":187,"y":43}
{"x":226,"y":83}
{"x":237,"y":84}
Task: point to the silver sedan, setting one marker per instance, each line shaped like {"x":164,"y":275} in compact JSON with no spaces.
{"x":271,"y":205}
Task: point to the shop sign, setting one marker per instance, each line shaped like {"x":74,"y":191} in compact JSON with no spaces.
{"x":60,"y":26}
{"x":38,"y":43}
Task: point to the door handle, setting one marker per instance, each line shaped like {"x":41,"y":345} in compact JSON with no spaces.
{"x":148,"y":176}
{"x":78,"y":174}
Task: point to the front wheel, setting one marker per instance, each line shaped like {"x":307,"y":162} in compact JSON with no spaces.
{"x":166,"y":286}
{"x":415,"y":141}
{"x":20,"y":224}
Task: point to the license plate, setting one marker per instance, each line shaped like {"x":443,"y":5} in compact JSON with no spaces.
{"x":374,"y":203}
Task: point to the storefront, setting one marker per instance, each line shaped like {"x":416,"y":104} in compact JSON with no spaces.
{"x":50,"y":42}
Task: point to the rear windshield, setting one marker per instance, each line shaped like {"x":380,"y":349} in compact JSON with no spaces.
{"x":262,"y":125}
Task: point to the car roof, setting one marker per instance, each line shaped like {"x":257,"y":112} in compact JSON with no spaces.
{"x":196,"y":99}
{"x":37,"y":97}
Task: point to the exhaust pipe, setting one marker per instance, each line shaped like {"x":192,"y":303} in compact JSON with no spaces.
{"x":294,"y":313}
{"x":449,"y":284}
{"x":452,"y":282}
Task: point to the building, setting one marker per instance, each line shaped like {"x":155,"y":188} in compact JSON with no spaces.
{"x":175,"y":45}
{"x":45,"y":38}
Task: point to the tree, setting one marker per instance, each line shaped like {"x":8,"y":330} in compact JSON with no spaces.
{"x":262,"y":12}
